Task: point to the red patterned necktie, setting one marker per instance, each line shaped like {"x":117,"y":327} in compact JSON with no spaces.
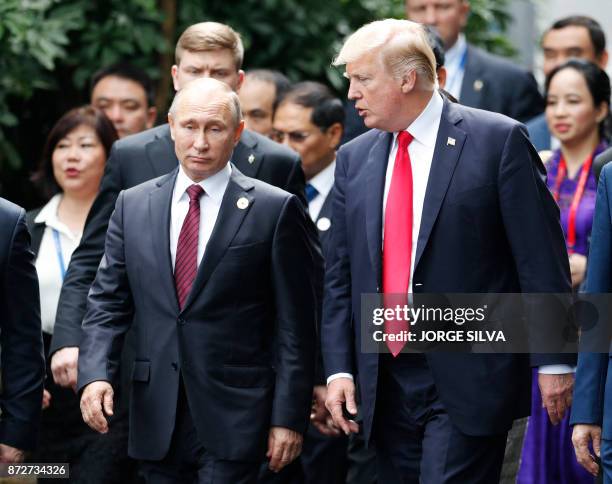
{"x":397,"y":245}
{"x":186,"y":264}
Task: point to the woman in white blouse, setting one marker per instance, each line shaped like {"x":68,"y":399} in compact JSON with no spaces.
{"x":70,"y":171}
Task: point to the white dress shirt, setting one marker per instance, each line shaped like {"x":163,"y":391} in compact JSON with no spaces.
{"x":210,"y":203}
{"x":454,"y":61}
{"x":323,"y":182}
{"x":48,"y":265}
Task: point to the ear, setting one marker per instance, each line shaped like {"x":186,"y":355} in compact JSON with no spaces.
{"x":174,"y":72}
{"x":464,"y":12}
{"x":334,"y":132}
{"x":151,"y":117}
{"x":603,"y":60}
{"x":442,"y":77}
{"x":240,"y":80}
{"x":171,"y":124}
{"x":238,"y":132}
{"x":408,"y":81}
{"x":602,"y":111}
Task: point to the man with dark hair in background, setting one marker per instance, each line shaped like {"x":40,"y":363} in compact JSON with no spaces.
{"x":477,"y":78}
{"x":125,"y":94}
{"x":258,"y":97}
{"x":579,"y":37}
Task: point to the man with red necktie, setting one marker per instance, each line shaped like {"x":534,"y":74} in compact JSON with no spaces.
{"x":216,"y":273}
{"x":437,"y":198}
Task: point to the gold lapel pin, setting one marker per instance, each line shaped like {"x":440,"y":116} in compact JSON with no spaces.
{"x":478,"y":85}
{"x":242,"y":203}
{"x":251,"y":158}
{"x":450,"y":141}
{"x":323,"y":224}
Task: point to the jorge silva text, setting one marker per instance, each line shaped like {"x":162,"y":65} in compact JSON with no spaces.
{"x":439,"y":336}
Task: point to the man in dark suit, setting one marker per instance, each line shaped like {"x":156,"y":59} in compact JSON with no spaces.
{"x":216,"y":272}
{"x":206,"y":49}
{"x":23,"y":365}
{"x":438,"y":211}
{"x":576,"y":36}
{"x":475,"y":77}
{"x":309,"y":119}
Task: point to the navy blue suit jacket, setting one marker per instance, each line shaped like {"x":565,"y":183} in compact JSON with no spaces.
{"x":23,"y":365}
{"x":489,"y":224}
{"x":593,"y":388}
{"x":243,"y":342}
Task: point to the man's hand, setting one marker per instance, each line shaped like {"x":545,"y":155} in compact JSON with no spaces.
{"x":64,"y":366}
{"x":581,"y":437}
{"x":10,"y":455}
{"x":578,"y":265}
{"x":339,"y":392}
{"x":46,"y":401}
{"x":284,"y":445}
{"x":556,"y":393}
{"x":319,"y":416}
{"x":97,"y":400}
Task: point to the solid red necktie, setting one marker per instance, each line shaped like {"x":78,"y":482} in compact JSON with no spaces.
{"x":397,"y":245}
{"x":186,"y":264}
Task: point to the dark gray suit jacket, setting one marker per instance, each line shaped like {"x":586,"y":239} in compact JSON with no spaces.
{"x":243,"y":342}
{"x":496,"y":84}
{"x":134,"y":160}
{"x":23,"y":365}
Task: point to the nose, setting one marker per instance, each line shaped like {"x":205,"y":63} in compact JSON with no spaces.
{"x":559,"y":109}
{"x":73,"y":153}
{"x":431,"y":17}
{"x":353,"y":93}
{"x":200,"y":143}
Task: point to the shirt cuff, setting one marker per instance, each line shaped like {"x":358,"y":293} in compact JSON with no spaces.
{"x":335,"y":376}
{"x":556,"y":369}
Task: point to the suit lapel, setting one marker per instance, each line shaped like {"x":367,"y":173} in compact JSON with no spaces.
{"x":161,"y":153}
{"x":246,"y":157}
{"x":473,"y":85}
{"x":446,"y":154}
{"x":228,"y":222}
{"x":160,"y":201}
{"x":376,"y":169}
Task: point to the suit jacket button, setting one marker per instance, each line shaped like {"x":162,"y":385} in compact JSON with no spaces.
{"x":180,"y":320}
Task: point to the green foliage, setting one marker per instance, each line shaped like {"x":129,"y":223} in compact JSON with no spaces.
{"x":43,"y":41}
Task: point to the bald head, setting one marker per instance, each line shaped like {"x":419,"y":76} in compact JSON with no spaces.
{"x":205,"y":124}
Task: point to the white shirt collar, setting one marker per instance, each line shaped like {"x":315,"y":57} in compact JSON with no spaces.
{"x":48,"y":216}
{"x":324,"y":180}
{"x":213,"y":186}
{"x":420,"y":129}
{"x":452,"y":57}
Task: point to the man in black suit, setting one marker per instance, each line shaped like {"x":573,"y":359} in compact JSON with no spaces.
{"x":216,"y":273}
{"x":309,"y":119}
{"x":206,"y":49}
{"x":475,"y":77}
{"x":23,"y":365}
{"x":422,"y":206}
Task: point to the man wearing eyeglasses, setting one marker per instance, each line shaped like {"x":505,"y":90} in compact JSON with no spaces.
{"x":310,"y":119}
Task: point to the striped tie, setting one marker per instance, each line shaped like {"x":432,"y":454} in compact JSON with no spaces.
{"x":186,"y":266}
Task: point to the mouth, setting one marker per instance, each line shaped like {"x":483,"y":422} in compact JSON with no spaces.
{"x":562,"y":127}
{"x":197,"y":159}
{"x":72,"y":172}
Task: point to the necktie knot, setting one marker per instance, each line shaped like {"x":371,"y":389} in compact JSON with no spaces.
{"x":311,"y":192}
{"x":194,"y":192}
{"x":404,"y":138}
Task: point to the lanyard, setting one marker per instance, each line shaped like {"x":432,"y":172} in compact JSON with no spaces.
{"x":571,"y":219}
{"x":450,"y":85}
{"x":58,"y":250}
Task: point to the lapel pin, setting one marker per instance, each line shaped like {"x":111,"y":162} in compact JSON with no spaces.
{"x":251,"y":158}
{"x":242,"y":203}
{"x":478,"y":85}
{"x":450,"y":141}
{"x":323,"y":224}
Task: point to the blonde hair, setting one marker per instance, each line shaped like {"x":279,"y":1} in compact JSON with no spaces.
{"x":402,"y":44}
{"x":205,"y":36}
